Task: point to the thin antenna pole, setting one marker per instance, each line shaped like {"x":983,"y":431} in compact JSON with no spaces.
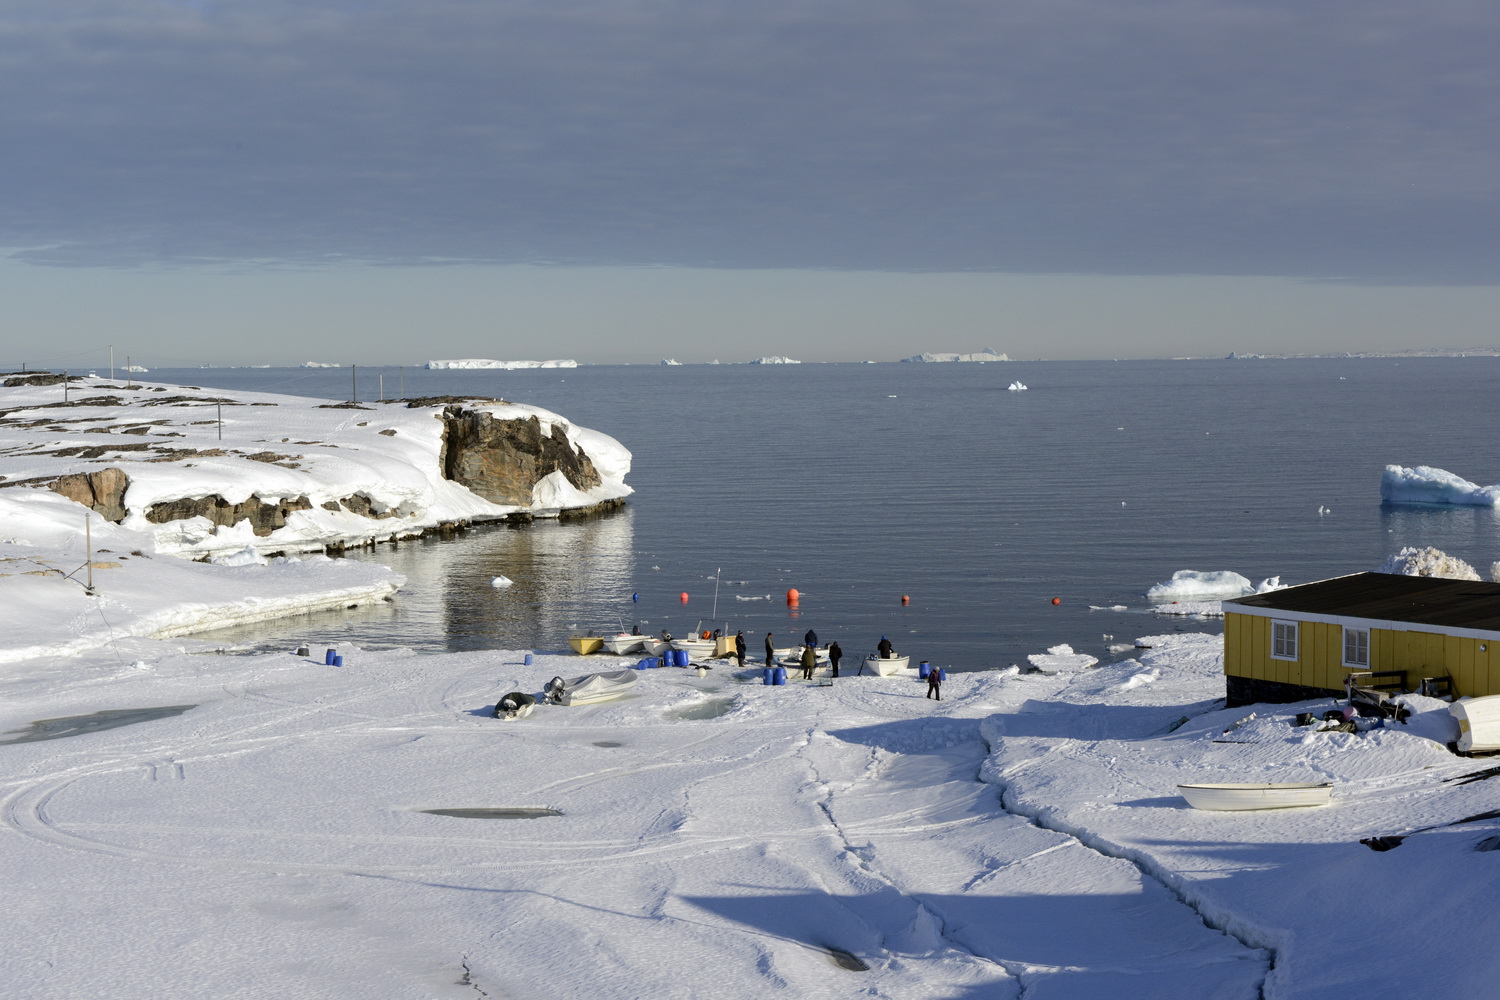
{"x":401,"y":383}
{"x":381,"y":382}
{"x":111,"y":362}
{"x":353,"y":384}
{"x":88,"y":546}
{"x":220,"y":408}
{"x":65,"y":385}
{"x":716,"y":592}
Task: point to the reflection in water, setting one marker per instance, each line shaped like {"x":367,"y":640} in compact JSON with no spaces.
{"x":1457,"y":529}
{"x":567,"y":575}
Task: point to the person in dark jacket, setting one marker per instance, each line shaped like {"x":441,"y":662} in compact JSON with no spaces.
{"x":770,"y":652}
{"x":935,"y":684}
{"x":739,"y":648}
{"x":810,"y":639}
{"x":809,"y":661}
{"x":835,"y":654}
{"x":885,"y":648}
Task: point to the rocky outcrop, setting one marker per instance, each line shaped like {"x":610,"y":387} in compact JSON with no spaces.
{"x":265,"y":516}
{"x":102,"y":491}
{"x":501,"y":460}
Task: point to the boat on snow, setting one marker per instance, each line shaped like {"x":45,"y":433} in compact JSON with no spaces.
{"x":1240,"y":796}
{"x":1478,"y":723}
{"x":624,"y":642}
{"x":583,"y":645}
{"x":886,"y":666}
{"x":590,"y":689}
{"x":513,"y":706}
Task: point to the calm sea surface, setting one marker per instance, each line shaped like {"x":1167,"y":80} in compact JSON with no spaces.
{"x":857,"y":484}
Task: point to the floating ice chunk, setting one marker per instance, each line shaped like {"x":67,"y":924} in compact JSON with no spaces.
{"x":501,"y":581}
{"x":776,"y":360}
{"x":1061,"y":657}
{"x":1017,"y":386}
{"x":1424,"y":484}
{"x":1190,"y":584}
{"x":1412,"y":561}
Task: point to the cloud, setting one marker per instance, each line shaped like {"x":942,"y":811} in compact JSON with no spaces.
{"x":1339,"y":140}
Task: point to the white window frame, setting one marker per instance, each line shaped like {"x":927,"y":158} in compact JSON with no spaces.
{"x":1286,"y":644}
{"x":1362,"y":639}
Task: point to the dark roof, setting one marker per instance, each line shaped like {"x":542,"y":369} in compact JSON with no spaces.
{"x":1421,"y":600}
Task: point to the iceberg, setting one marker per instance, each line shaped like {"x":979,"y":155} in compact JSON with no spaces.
{"x":1412,"y":561}
{"x":1018,"y":386}
{"x":1219,"y":585}
{"x":775,"y":361}
{"x":985,"y":355}
{"x":1425,"y":484}
{"x":485,"y":363}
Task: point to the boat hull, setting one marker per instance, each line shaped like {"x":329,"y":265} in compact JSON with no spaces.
{"x":622,"y":644}
{"x":697,"y":649}
{"x":583,"y":645}
{"x":887,"y":666}
{"x":1478,"y":723}
{"x":1245,"y":796}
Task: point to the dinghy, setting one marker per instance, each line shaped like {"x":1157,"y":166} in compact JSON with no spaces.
{"x":887,"y":666}
{"x":1478,"y":723}
{"x":590,"y":689}
{"x":624,"y":643}
{"x":514,"y":706}
{"x":1237,"y":796}
{"x":583,"y":645}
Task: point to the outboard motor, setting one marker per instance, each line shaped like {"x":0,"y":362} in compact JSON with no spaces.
{"x":554,"y":689}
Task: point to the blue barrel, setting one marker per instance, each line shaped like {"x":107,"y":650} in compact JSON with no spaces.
{"x":655,"y":662}
{"x":679,"y":657}
{"x":923,"y":669}
{"x":328,"y":657}
{"x":338,"y":661}
{"x":780,"y":675}
{"x":942,"y":674}
{"x":643,"y":664}
{"x":528,"y":659}
{"x":768,"y":676}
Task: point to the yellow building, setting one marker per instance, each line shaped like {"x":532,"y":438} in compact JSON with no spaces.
{"x":1302,"y":642}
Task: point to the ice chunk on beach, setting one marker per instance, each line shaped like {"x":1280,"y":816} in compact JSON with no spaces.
{"x":1061,"y":657}
{"x":1412,"y":561}
{"x":501,"y":581}
{"x":248,"y":556}
{"x":1424,"y":484}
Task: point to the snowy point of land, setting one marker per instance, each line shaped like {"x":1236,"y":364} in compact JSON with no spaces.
{"x":473,"y":363}
{"x":353,"y":474}
{"x":374,"y":831}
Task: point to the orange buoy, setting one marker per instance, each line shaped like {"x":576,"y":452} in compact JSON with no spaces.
{"x":792,"y":595}
{"x":682,"y":597}
{"x":1057,"y":600}
{"x":905,"y":599}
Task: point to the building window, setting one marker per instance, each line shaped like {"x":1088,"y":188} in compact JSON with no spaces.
{"x":1283,"y":640}
{"x":1356,"y":647}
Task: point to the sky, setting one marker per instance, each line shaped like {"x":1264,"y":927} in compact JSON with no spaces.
{"x":384,"y":182}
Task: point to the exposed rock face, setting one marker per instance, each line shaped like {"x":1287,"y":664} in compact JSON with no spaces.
{"x":102,"y":491}
{"x":264,"y":516}
{"x":501,"y":460}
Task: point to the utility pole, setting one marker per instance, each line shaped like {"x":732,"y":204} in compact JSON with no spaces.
{"x":111,"y":362}
{"x":353,"y":383}
{"x":220,"y":408}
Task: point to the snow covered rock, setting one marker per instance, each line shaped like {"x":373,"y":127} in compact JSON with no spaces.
{"x":1412,"y":561}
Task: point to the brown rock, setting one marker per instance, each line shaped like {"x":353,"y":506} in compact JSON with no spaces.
{"x":501,"y":460}
{"x":102,"y":491}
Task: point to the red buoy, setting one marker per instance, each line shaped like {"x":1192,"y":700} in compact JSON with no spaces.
{"x":792,"y":596}
{"x":683,"y":597}
{"x":905,"y":599}
{"x":1057,"y":600}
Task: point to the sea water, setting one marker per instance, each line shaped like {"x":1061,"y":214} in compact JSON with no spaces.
{"x":859,"y":484}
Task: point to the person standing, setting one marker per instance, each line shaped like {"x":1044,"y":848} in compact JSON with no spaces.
{"x":885,"y":648}
{"x":809,"y":661}
{"x":770,"y":652}
{"x":811,"y":638}
{"x":935,"y":684}
{"x":835,"y":654}
{"x":739,"y":648}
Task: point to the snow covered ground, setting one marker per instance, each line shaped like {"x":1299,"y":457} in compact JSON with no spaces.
{"x":268,"y":835}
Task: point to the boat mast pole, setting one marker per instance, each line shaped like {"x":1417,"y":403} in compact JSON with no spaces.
{"x":716,"y":593}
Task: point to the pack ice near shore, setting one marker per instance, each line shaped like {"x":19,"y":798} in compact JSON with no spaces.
{"x":1425,"y":484}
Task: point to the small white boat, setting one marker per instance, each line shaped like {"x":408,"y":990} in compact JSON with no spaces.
{"x":590,"y":689}
{"x":655,"y":647}
{"x":1237,"y":796}
{"x":793,"y":659}
{"x":698,"y":649}
{"x":583,"y":645}
{"x":624,"y":643}
{"x":1478,"y":723}
{"x":887,"y":666}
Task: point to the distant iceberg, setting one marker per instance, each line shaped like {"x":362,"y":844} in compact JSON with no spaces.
{"x":775,"y":361}
{"x":985,"y":355}
{"x":315,"y":364}
{"x":670,"y":362}
{"x":469,"y":363}
{"x":1018,"y":386}
{"x":1424,"y":484}
{"x":1189,"y":584}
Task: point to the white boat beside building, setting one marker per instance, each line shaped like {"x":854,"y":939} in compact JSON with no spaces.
{"x":1478,"y":723}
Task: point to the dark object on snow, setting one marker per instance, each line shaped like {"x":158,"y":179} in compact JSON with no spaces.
{"x":1333,"y":714}
{"x":1338,"y":727}
{"x":1394,"y":840}
{"x":1305,"y":719}
{"x":1464,"y":779}
{"x":1373,"y":704}
{"x":514,"y":705}
{"x":1488,"y":844}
